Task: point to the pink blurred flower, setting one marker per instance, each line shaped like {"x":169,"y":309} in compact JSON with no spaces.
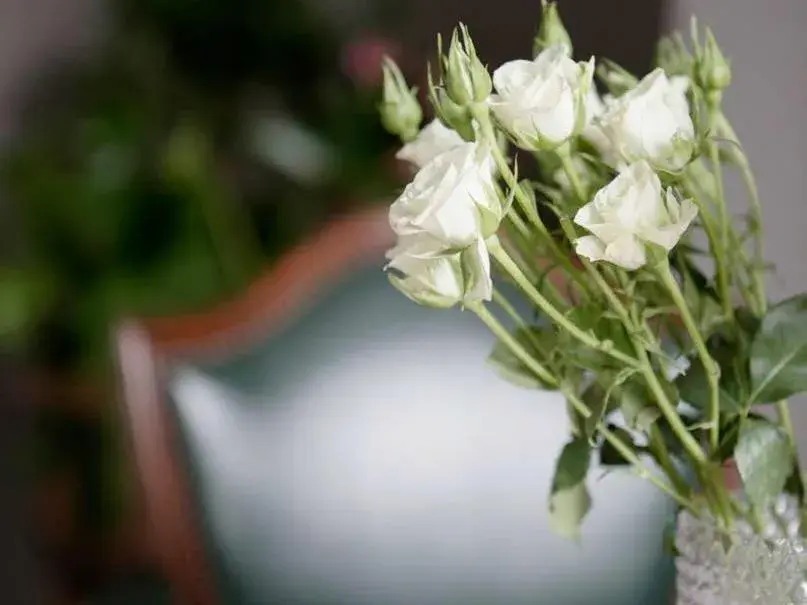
{"x":361,"y":60}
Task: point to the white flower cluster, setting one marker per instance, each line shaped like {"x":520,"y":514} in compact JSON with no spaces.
{"x":445,"y":215}
{"x":622,"y":176}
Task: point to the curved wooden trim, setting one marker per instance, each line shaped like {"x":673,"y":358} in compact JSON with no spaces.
{"x":145,"y":348}
{"x":166,"y":495}
{"x":278,"y":295}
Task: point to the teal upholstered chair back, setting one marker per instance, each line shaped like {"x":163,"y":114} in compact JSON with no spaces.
{"x":360,"y":452}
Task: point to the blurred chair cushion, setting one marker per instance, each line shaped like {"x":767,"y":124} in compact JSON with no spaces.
{"x":366,"y":455}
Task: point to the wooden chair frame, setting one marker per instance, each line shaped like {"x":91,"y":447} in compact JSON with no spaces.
{"x":147,"y":347}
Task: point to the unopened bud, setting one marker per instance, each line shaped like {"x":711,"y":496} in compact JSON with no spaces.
{"x":551,"y":31}
{"x":451,"y":114}
{"x":673,"y":57}
{"x":467,"y":81}
{"x":713,"y":69}
{"x":400,"y":111}
{"x":617,"y":79}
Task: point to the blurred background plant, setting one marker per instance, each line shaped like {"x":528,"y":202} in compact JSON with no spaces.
{"x":202,"y":140}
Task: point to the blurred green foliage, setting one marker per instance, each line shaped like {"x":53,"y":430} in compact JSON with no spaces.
{"x":161,"y":176}
{"x":202,"y":140}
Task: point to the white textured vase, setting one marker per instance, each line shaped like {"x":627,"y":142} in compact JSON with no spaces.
{"x":756,"y":570}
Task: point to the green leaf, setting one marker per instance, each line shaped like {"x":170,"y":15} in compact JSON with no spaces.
{"x":701,"y":300}
{"x":602,"y":397}
{"x":668,"y":541}
{"x":764,"y":460}
{"x":694,"y":389}
{"x":779,"y":352}
{"x":729,"y":435}
{"x":637,"y":405}
{"x":600,"y":403}
{"x":568,"y":508}
{"x":24,"y":297}
{"x":609,"y":456}
{"x":510,"y":368}
{"x":591,"y":318}
{"x":795,"y":483}
{"x":569,"y":500}
{"x":548,"y":162}
{"x":748,"y":322}
{"x":732,"y":357}
{"x":694,"y":277}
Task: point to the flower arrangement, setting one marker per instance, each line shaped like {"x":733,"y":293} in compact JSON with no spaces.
{"x":651,"y":314}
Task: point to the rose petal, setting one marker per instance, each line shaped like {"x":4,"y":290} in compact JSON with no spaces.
{"x":590,"y":247}
{"x":627,"y":252}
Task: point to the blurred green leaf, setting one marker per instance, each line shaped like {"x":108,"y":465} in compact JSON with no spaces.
{"x":602,"y":397}
{"x":569,"y":500}
{"x":638,"y":406}
{"x":512,"y":369}
{"x":25,"y":295}
{"x":694,"y":389}
{"x":589,"y":317}
{"x":764,"y":460}
{"x":609,"y":456}
{"x":779,"y":352}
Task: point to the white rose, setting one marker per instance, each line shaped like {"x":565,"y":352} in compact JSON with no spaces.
{"x":595,"y":106}
{"x":651,"y":122}
{"x":542,"y":103}
{"x":629,"y":212}
{"x":452,"y":199}
{"x":440,"y":279}
{"x":434,"y":139}
{"x":680,"y":83}
{"x":593,"y":132}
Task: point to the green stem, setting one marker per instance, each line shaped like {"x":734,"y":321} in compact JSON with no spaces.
{"x":510,"y":342}
{"x":696,"y":185}
{"x":679,"y":489}
{"x":568,"y":230}
{"x":501,"y":300}
{"x":758,"y":270}
{"x":783,"y":411}
{"x":519,"y":238}
{"x":722,"y":499}
{"x":544,"y":305}
{"x":571,"y":172}
{"x":697,"y":193}
{"x":757,"y":274}
{"x":709,"y":365}
{"x":524,"y":201}
{"x":514,"y":241}
{"x":668,"y":408}
{"x":508,"y":308}
{"x":519,"y":224}
{"x":604,"y":287}
{"x":628,"y":454}
{"x":748,"y":514}
{"x":724,"y":277}
{"x":662,"y":454}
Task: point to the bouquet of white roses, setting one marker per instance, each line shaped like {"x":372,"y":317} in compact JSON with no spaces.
{"x":651,"y":315}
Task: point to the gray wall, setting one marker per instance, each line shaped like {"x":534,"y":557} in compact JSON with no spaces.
{"x":37,"y":34}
